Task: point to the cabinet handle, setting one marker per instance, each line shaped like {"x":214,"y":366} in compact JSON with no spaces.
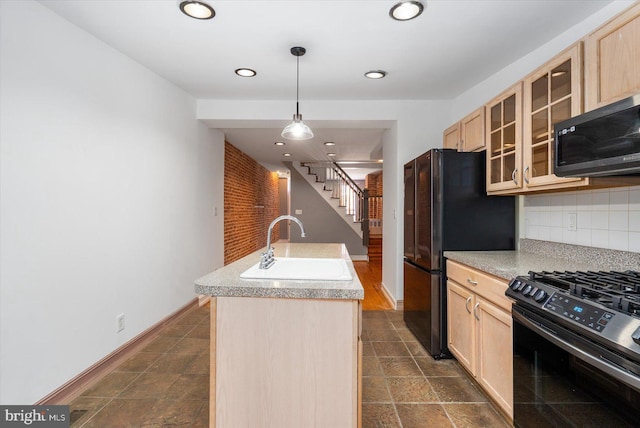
{"x":524,"y":175}
{"x":475,"y":311}
{"x":466,"y":305}
{"x":472,"y":282}
{"x":513,"y":176}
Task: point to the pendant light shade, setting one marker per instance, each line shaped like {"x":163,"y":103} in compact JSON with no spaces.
{"x":297,"y":130}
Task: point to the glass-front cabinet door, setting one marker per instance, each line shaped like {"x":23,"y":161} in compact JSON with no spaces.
{"x":504,"y":137}
{"x":551,"y":94}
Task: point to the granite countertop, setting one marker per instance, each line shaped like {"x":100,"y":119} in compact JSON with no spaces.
{"x":226,"y":281}
{"x":539,"y":256}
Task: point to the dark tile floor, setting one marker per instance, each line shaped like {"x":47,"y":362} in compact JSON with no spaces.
{"x":164,"y":385}
{"x":167,"y":383}
{"x":404,"y":387}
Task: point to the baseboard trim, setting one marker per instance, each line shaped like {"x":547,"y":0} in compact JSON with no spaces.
{"x":388,"y":295}
{"x":203,"y":300}
{"x":73,"y":388}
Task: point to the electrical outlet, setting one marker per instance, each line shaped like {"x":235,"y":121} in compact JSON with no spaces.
{"x":572,"y":222}
{"x":119,"y":323}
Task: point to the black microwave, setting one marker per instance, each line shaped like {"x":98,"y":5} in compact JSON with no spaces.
{"x":601,"y":142}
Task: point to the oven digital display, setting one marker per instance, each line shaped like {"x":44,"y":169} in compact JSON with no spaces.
{"x":568,"y":307}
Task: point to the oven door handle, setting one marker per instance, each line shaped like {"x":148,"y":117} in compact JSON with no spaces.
{"x":600,"y":363}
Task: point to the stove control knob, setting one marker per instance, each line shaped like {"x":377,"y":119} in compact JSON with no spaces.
{"x":515,"y":284}
{"x":526,"y":289}
{"x":636,"y":336}
{"x":540,"y":296}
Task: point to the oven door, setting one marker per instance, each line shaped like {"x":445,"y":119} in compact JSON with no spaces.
{"x":564,"y":380}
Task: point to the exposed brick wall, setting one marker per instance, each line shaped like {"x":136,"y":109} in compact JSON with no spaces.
{"x":247,"y":186}
{"x":373,"y":182}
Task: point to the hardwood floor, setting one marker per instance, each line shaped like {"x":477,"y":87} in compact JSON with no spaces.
{"x":370,"y":274}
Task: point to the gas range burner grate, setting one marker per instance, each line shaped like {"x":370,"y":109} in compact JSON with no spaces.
{"x":619,"y":291}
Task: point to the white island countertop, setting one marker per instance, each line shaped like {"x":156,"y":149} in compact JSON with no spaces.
{"x":226,"y":281}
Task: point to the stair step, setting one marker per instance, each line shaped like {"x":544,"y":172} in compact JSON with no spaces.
{"x":374,"y":250}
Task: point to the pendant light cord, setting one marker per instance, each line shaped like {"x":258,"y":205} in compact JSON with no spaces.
{"x":297,"y":83}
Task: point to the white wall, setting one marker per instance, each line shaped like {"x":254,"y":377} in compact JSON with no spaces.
{"x":108,"y":184}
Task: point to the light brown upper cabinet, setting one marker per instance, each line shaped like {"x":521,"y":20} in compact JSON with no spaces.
{"x":504,"y":137}
{"x":551,"y":94}
{"x":612,"y":58}
{"x":451,"y":137}
{"x":466,"y":135}
{"x":472,"y":131}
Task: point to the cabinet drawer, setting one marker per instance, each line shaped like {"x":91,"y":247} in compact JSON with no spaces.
{"x":481,"y":283}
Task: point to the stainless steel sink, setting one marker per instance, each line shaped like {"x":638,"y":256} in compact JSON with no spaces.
{"x":291,"y":268}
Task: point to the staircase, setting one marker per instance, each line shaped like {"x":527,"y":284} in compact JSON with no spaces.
{"x":340,"y":191}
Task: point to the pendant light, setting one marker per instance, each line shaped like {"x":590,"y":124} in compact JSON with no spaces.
{"x":297,"y":130}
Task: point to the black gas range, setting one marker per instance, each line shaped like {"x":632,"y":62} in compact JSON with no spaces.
{"x":576,"y":348}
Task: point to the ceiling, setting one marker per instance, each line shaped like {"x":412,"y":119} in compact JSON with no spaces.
{"x":451,"y":47}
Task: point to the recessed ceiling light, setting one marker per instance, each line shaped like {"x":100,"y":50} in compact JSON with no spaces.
{"x":375,"y":74}
{"x":197,"y":9}
{"x":331,"y":154}
{"x":406,"y":10}
{"x":279,"y":143}
{"x":329,"y":143}
{"x":245,"y":72}
{"x":286,"y":155}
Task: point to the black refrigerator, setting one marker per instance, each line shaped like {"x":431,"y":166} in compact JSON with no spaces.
{"x":446,"y":207}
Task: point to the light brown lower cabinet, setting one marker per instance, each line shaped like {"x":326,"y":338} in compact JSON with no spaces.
{"x":285,"y":363}
{"x":479,"y":328}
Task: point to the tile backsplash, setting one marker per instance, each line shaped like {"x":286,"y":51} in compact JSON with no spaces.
{"x":608,"y":218}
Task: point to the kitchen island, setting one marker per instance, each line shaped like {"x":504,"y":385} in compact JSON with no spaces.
{"x":284,"y":353}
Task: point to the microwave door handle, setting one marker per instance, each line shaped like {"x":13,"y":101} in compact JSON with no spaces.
{"x":600,"y":363}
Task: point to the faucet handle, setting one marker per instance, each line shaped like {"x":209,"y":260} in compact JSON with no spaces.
{"x":267,"y":259}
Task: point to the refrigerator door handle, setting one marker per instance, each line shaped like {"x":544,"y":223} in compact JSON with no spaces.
{"x":466,"y":305}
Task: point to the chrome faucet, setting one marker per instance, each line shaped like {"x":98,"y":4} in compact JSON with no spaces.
{"x":267,"y":259}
